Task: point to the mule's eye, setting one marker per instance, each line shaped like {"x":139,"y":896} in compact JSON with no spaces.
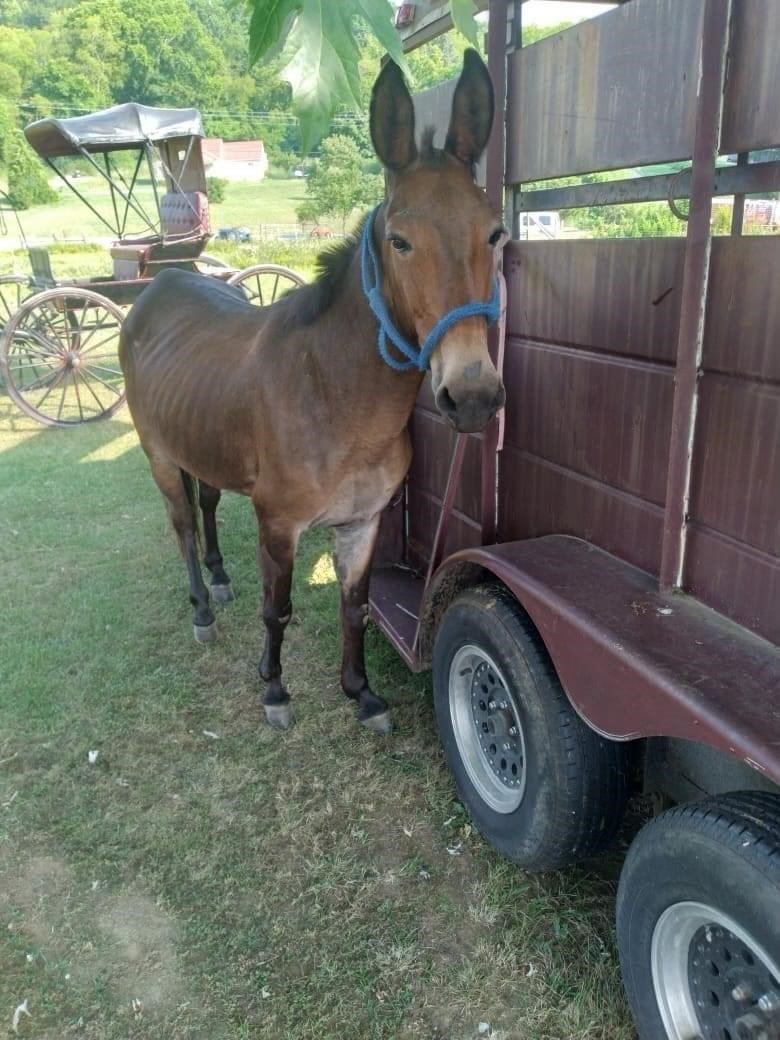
{"x":496,"y":237}
{"x":400,"y":244}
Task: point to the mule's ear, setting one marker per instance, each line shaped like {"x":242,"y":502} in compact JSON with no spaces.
{"x":472,"y":111}
{"x":392,"y":119}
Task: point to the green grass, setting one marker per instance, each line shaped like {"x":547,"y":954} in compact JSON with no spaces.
{"x":267,"y":202}
{"x":88,"y":260}
{"x":253,"y":885}
{"x":248,"y":205}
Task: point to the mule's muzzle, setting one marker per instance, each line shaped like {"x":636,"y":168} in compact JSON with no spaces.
{"x":470,"y":409}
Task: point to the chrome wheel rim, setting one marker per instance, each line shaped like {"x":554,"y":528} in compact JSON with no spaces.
{"x":707,"y":972}
{"x":487,"y":729}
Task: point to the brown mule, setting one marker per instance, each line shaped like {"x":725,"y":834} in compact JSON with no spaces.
{"x":293,"y":405}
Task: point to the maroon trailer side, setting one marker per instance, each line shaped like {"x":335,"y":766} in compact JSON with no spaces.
{"x":627,"y":508}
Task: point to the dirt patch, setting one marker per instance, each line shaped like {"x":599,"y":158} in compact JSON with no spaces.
{"x":76,"y":937}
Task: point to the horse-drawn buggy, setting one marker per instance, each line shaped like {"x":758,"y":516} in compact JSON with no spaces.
{"x":58,"y":354}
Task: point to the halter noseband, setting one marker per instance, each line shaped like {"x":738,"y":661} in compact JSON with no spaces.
{"x":417,"y":357}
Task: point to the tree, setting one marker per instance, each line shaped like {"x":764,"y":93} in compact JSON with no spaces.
{"x":150,"y":51}
{"x":216,"y":188}
{"x":320,"y":50}
{"x":8,"y":118}
{"x":337,"y":184}
{"x":27,"y":184}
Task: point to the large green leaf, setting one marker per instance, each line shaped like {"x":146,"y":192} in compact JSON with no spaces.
{"x":267,"y":27}
{"x":317,"y":54}
{"x":379,"y":16}
{"x":463,"y":12}
{"x":320,"y":53}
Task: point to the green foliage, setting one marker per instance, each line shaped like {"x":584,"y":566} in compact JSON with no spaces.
{"x":216,"y":187}
{"x":152,"y":50}
{"x":463,"y":12}
{"x":338,"y":183}
{"x":321,"y":47}
{"x":435,"y":62}
{"x":313,"y":59}
{"x":8,"y":116}
{"x":27,"y":184}
{"x":639,"y":220}
{"x":533,"y":33}
{"x":721,"y":220}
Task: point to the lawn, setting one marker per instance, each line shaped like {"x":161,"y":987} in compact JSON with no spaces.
{"x":67,"y":223}
{"x":268,"y":202}
{"x":207,"y":877}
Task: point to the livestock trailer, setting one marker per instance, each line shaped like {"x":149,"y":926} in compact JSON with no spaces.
{"x":595,"y":579}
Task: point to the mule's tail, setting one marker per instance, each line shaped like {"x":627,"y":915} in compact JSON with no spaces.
{"x":191,"y":490}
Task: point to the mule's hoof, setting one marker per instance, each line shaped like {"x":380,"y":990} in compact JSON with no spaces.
{"x":205,"y":633}
{"x":222,"y":593}
{"x":279,"y":716}
{"x":381,"y":724}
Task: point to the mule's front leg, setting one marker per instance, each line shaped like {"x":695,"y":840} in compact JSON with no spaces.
{"x":354,"y":550}
{"x":276,"y":552}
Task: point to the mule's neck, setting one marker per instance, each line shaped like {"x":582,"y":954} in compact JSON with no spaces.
{"x":347,"y":350}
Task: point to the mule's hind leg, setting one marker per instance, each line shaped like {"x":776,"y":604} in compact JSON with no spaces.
{"x":354,"y":549}
{"x":276,"y":552}
{"x":178,"y":489}
{"x":221,"y":591}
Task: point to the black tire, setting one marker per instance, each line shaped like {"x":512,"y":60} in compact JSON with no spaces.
{"x":722,"y":853}
{"x":574,"y":782}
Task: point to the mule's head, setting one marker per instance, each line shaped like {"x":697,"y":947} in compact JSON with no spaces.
{"x":440,"y":237}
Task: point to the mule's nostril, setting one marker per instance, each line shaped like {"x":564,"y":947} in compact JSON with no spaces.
{"x":445,"y":403}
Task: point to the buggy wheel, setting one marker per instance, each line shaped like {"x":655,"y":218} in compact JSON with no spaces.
{"x":264,"y":284}
{"x":542,"y":787}
{"x":211,"y":261}
{"x":59,"y":357}
{"x":697,"y":921}
{"x":13,"y":289}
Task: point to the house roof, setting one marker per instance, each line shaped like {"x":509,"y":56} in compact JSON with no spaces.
{"x":232,"y":151}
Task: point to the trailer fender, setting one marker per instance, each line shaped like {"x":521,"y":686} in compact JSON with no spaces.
{"x":634,"y":662}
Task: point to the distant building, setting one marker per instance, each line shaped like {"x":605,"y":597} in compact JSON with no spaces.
{"x":234,"y":160}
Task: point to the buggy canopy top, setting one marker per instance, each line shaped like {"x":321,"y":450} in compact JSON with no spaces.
{"x":123,"y":126}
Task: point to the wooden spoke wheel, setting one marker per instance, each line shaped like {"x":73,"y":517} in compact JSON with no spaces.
{"x":59,"y":357}
{"x":208,"y":260}
{"x":264,"y":284}
{"x":13,"y":289}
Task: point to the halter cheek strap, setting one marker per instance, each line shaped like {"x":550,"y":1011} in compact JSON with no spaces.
{"x":416,"y":357}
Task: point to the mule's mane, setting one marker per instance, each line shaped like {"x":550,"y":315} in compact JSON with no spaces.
{"x":311,"y":301}
{"x":332,"y":265}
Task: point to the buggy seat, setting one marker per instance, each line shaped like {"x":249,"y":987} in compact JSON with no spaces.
{"x":184,"y":222}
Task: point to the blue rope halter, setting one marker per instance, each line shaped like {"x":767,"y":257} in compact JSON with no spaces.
{"x":417,"y":357}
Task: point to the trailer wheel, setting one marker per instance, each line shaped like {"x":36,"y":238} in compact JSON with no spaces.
{"x":698,"y":921}
{"x":540,"y":785}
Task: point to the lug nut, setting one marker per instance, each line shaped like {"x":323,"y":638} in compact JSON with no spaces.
{"x":492,"y":705}
{"x":769,"y":1003}
{"x":742,"y":992}
{"x":513,"y":731}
